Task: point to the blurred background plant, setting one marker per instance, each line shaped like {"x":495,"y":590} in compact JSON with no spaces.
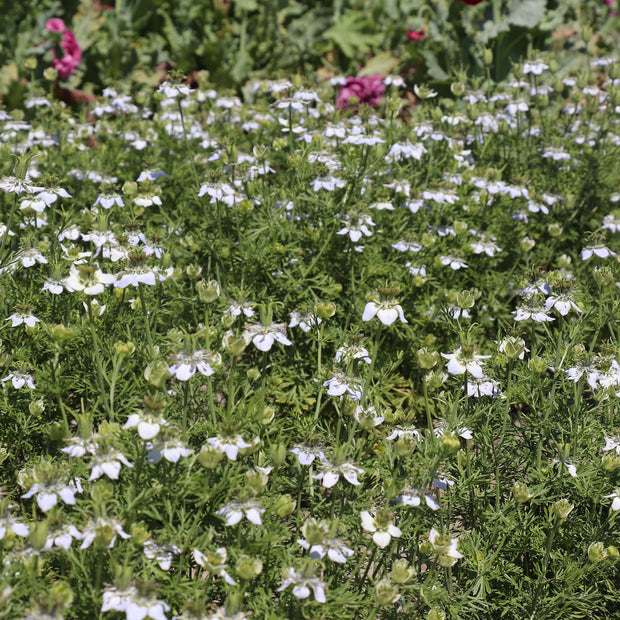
{"x":238,"y":40}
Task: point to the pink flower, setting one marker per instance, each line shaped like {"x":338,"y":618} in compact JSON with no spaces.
{"x":67,"y":65}
{"x":365,"y":89}
{"x":415,"y":35}
{"x":55,"y":24}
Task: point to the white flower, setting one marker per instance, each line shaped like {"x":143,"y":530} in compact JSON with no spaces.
{"x":404,"y":246}
{"x":413,"y":497}
{"x":386,"y":311}
{"x":19,"y":379}
{"x":7,"y":522}
{"x":233,"y":512}
{"x":453,"y":262}
{"x":89,"y":280}
{"x":340,"y":384}
{"x":330,"y":473}
{"x":19,"y":317}
{"x":306,"y":321}
{"x":615,"y":505}
{"x":598,"y":250}
{"x":356,"y":226}
{"x":407,"y":434}
{"x":328,"y":182}
{"x":536,"y":313}
{"x":184,"y":366}
{"x":230,"y":445}
{"x":107,"y":463}
{"x":612,"y":443}
{"x":162,"y":554}
{"x":263,"y":336}
{"x":303,"y":584}
{"x":459,"y":363}
{"x":106,"y":529}
{"x":563,"y":303}
{"x":153,"y":175}
{"x":148,"y":425}
{"x":348,"y":353}
{"x":107,"y":201}
{"x":48,"y":493}
{"x":382,"y":528}
{"x":170,"y":449}
{"x":445,"y":548}
{"x":367,"y":416}
{"x":214,"y":562}
{"x":306,"y":454}
{"x":62,"y":537}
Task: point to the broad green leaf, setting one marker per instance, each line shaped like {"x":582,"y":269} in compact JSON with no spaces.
{"x":353,"y":33}
{"x":527,"y":13}
{"x":383,"y":63}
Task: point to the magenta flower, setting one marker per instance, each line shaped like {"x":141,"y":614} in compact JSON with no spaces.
{"x":72,"y":56}
{"x":55,"y":24}
{"x":365,"y":89}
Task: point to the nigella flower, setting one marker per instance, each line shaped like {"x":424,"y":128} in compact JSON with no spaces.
{"x":330,"y":473}
{"x":107,"y":201}
{"x":461,"y":362}
{"x":233,"y":512}
{"x":8,"y":523}
{"x":484,"y":386}
{"x":230,"y":445}
{"x":355,"y":226}
{"x":19,"y":379}
{"x":350,"y":352}
{"x":453,"y":262}
{"x":306,"y":454}
{"x":134,"y":604}
{"x":184,"y":366}
{"x":328,"y":182}
{"x":409,"y":433}
{"x":162,"y":554}
{"x":535,"y":67}
{"x":303,"y":583}
{"x":536,"y":313}
{"x":411,"y":496}
{"x":306,"y":321}
{"x":214,"y":562}
{"x":153,"y":175}
{"x":104,"y":530}
{"x":404,"y":246}
{"x":597,"y":250}
{"x":48,"y":493}
{"x":367,"y":417}
{"x":263,"y":336}
{"x":340,"y":383}
{"x":148,"y":425}
{"x":108,"y":463}
{"x":62,"y":537}
{"x":30,"y":257}
{"x":89,"y":279}
{"x":612,"y":443}
{"x":381,"y":527}
{"x":445,"y":548}
{"x":615,"y":505}
{"x":383,"y":305}
{"x":170,"y":449}
{"x":320,"y":539}
{"x":563,"y":303}
{"x":17,"y":185}
{"x":20,"y":318}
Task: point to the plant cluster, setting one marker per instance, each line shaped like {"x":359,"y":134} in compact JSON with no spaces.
{"x":283,"y":359}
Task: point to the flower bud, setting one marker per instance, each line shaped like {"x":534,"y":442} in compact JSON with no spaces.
{"x":156,"y":373}
{"x":465,"y":300}
{"x":610,"y":462}
{"x":450,"y":443}
{"x":248,"y":567}
{"x":597,"y":552}
{"x":325,"y":309}
{"x":436,"y":614}
{"x":537,"y":365}
{"x":527,"y":243}
{"x":209,"y":457}
{"x":38,"y":534}
{"x":60,"y":333}
{"x":521,"y":493}
{"x":130,"y":189}
{"x":267,"y":415}
{"x":208,"y":291}
{"x":101,"y":492}
{"x":235,"y":345}
{"x":50,"y":74}
{"x":387,"y":594}
{"x":401,"y":572}
{"x":562,"y":508}
{"x":139,"y":533}
{"x":124,"y":349}
{"x":435,"y":379}
{"x":555,"y":230}
{"x":278,"y":453}
{"x":427,"y":359}
{"x":457,"y":88}
{"x":284,"y":506}
{"x":36,"y":408}
{"x":612,"y":552}
{"x":487,"y":57}
{"x":193,"y":271}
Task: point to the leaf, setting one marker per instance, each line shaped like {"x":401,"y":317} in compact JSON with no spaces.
{"x":434,"y":69}
{"x":353,"y":33}
{"x":383,"y":63}
{"x":527,"y":13}
{"x":490,"y":30}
